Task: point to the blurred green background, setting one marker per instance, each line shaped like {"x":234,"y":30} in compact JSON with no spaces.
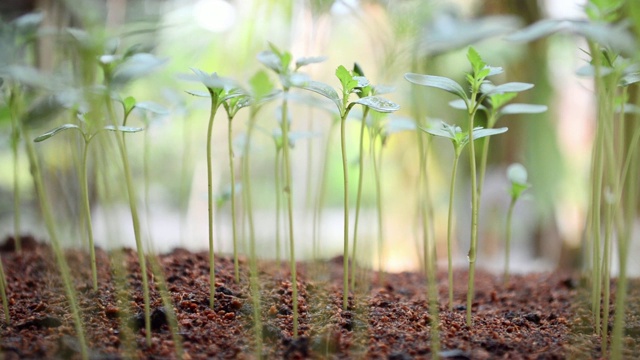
{"x":388,"y":39}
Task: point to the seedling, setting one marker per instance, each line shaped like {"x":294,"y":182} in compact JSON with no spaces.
{"x":351,"y":83}
{"x":517,"y":175}
{"x":219,"y":91}
{"x":88,"y":130}
{"x":281,"y":63}
{"x":459,"y":139}
{"x":480,"y":90}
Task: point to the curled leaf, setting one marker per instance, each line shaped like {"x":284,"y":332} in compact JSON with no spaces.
{"x":55,"y":131}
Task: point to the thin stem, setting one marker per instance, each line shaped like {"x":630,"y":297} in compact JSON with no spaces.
{"x":377,"y":164}
{"x":3,"y":293}
{"x":474,"y":213}
{"x":236,"y":267}
{"x":15,"y":141}
{"x":278,"y":205}
{"x":253,"y":267}
{"x":122,"y":147}
{"x":289,"y":195}
{"x":452,"y":185}
{"x":212,"y":269}
{"x":507,"y":246}
{"x":345,"y":177}
{"x":365,"y":112}
{"x":57,"y":250}
{"x":87,"y":214}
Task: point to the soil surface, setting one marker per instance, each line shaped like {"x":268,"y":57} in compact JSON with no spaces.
{"x":535,"y":316}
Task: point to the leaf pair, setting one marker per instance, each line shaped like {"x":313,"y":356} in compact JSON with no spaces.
{"x":458,"y":138}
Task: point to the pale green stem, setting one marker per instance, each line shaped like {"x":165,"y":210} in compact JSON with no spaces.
{"x":15,"y":141}
{"x":507,"y":247}
{"x":57,"y":250}
{"x":253,"y":268}
{"x":87,"y":213}
{"x":212,"y":269}
{"x":234,"y":231}
{"x":122,"y":147}
{"x":491,"y":121}
{"x":474,"y":213}
{"x":289,"y":195}
{"x":345,"y":177}
{"x":358,"y":197}
{"x":452,"y":185}
{"x":3,"y":293}
{"x":278,"y":207}
{"x":377,"y":167}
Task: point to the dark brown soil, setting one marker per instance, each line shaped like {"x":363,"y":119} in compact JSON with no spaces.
{"x":537,"y":316}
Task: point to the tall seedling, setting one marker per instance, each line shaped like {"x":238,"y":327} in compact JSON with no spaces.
{"x":350,"y":83}
{"x":219,"y":90}
{"x":459,"y":139}
{"x":281,"y":63}
{"x":88,"y":130}
{"x":480,"y":90}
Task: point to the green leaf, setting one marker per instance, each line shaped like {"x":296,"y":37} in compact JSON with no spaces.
{"x":499,"y":100}
{"x":152,"y":107}
{"x":438,"y":82}
{"x":324,"y":90}
{"x":270,"y":60}
{"x":261,"y":85}
{"x":379,"y":104}
{"x":487,"y":88}
{"x":304,"y":61}
{"x":124,"y":129}
{"x":53,"y":132}
{"x":629,"y":79}
{"x":346,"y":79}
{"x":536,"y":31}
{"x":523,"y":109}
{"x":479,"y":133}
{"x":129,"y":102}
{"x":477,"y":64}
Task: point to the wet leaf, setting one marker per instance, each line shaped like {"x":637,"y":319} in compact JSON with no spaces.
{"x":378,"y":103}
{"x":55,"y":131}
{"x":438,"y":82}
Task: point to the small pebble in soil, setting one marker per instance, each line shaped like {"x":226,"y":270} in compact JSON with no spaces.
{"x":454,"y":354}
{"x":43,"y":322}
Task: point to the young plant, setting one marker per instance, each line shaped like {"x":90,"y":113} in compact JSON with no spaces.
{"x":459,"y":139}
{"x":351,"y":83}
{"x":219,"y":90}
{"x":480,"y":90}
{"x":517,"y":175}
{"x":88,"y":130}
{"x":281,"y":63}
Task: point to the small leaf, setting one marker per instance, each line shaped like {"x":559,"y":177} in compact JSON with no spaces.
{"x":304,"y":61}
{"x":536,"y":31}
{"x":379,"y":104}
{"x":53,"y":132}
{"x":346,"y":79}
{"x":324,"y":90}
{"x":458,"y":104}
{"x":270,"y":60}
{"x":261,"y":85}
{"x":487,"y":88}
{"x":438,"y":82}
{"x":129,"y":102}
{"x":476,"y":62}
{"x":523,"y":109}
{"x":125,"y":129}
{"x":494,"y":70}
{"x":479,"y":133}
{"x":152,"y":107}
{"x":629,"y":79}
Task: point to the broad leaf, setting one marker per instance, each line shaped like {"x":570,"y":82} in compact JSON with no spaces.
{"x":324,"y":90}
{"x":523,"y":109}
{"x":53,"y":132}
{"x":152,"y":107}
{"x":479,"y":133}
{"x":124,"y":129}
{"x":487,"y":88}
{"x":499,"y":100}
{"x":129,"y":102}
{"x":438,"y":82}
{"x":378,"y":103}
{"x":304,"y":61}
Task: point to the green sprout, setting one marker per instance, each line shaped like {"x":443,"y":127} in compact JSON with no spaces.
{"x":517,"y":175}
{"x":88,"y":131}
{"x":351,"y":83}
{"x":281,"y":63}
{"x":219,"y":90}
{"x":480,"y":90}
{"x":459,"y":139}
